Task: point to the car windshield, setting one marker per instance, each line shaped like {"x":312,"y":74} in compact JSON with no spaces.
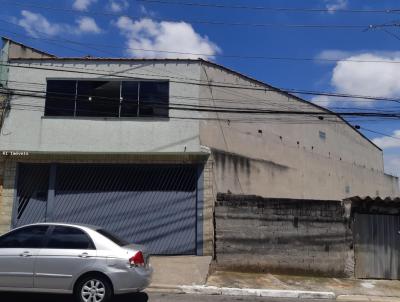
{"x":114,"y":238}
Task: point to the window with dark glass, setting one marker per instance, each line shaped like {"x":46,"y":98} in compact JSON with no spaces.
{"x":60,"y":98}
{"x":69,"y":238}
{"x":88,"y":98}
{"x":28,"y":237}
{"x":98,"y":98}
{"x":153,"y":99}
{"x":130,"y":99}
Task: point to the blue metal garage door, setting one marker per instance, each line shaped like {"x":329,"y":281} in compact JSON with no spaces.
{"x":153,"y":205}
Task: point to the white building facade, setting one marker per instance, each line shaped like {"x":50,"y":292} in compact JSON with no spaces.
{"x":142,"y":147}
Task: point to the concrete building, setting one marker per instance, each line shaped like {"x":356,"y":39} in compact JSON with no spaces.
{"x":132,"y":144}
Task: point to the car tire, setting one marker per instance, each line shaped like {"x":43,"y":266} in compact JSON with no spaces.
{"x":93,"y":288}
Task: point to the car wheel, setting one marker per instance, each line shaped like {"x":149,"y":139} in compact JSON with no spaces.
{"x":93,"y":288}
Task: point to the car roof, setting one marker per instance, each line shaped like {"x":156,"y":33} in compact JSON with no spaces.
{"x":79,"y":225}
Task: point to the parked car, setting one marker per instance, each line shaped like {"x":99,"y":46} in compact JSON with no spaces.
{"x":86,"y":261}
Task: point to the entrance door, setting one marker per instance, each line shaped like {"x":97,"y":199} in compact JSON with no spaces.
{"x":377,"y":246}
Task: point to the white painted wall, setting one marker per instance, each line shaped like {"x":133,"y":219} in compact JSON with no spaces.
{"x":288,"y":159}
{"x":26,"y":128}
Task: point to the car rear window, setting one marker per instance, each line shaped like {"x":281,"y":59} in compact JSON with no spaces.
{"x":114,"y":238}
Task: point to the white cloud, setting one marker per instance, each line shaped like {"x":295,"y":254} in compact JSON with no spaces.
{"x":332,"y":55}
{"x":88,"y":25}
{"x":146,"y":12}
{"x":83,"y":4}
{"x":165,"y":36}
{"x":374,"y":76}
{"x":36,"y":24}
{"x":117,"y":6}
{"x":334,"y":5}
{"x":386,"y":142}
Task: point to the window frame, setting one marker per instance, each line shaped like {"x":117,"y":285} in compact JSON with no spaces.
{"x":121,"y":101}
{"x":92,"y":246}
{"x":12,"y":232}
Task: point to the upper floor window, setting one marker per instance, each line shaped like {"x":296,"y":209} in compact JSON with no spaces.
{"x":90,"y":98}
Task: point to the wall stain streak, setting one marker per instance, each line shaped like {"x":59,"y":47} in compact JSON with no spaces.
{"x":243,"y":163}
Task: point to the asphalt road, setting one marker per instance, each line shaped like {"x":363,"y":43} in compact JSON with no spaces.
{"x":143,"y":297}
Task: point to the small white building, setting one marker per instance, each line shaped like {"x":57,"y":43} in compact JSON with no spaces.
{"x":143,"y":146}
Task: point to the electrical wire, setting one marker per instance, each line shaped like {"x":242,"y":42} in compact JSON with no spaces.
{"x":380,"y":133}
{"x":212,"y":22}
{"x":232,"y":110}
{"x":216,"y":55}
{"x":244,"y":99}
{"x":274,"y":9}
{"x":268,"y":88}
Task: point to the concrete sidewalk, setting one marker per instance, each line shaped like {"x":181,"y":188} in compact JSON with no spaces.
{"x":173,"y":271}
{"x":189,"y":274}
{"x":343,"y":289}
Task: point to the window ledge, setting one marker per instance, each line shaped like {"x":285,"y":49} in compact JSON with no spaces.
{"x":94,"y":118}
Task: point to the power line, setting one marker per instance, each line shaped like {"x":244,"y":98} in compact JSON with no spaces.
{"x":293,"y":91}
{"x":241,"y":101}
{"x":210,"y":5}
{"x":316,"y":117}
{"x":229,"y":56}
{"x":232,"y":56}
{"x":274,"y":9}
{"x":235,"y":110}
{"x":265,"y":89}
{"x":391,"y":34}
{"x":214,"y":22}
{"x":89,"y":71}
{"x":380,"y":133}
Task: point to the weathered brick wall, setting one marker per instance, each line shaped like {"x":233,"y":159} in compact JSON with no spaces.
{"x":283,"y":236}
{"x":8,"y":169}
{"x":209,"y":198}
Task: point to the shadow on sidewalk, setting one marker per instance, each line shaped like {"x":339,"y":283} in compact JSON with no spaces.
{"x":29,"y":297}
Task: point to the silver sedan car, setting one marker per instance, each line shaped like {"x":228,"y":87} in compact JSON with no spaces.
{"x":86,"y":261}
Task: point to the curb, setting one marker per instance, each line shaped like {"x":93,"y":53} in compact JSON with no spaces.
{"x":165,"y":288}
{"x":361,"y":298}
{"x":270,"y":293}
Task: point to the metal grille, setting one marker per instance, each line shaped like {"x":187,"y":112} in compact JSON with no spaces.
{"x":32,"y":190}
{"x":377,"y":246}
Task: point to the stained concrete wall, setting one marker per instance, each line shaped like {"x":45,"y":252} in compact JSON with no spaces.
{"x":285,"y":156}
{"x":283,"y":236}
{"x":29,"y":130}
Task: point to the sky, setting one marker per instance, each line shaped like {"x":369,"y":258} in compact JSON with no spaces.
{"x":369,"y":52}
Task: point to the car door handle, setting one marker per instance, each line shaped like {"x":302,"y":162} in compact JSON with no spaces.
{"x":83,"y":255}
{"x":26,"y":254}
